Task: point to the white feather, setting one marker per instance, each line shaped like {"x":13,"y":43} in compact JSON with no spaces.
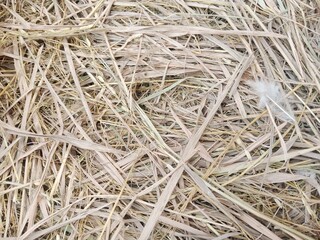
{"x":271,"y":94}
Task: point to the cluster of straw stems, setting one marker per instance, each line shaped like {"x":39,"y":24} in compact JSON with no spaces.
{"x":134,"y":120}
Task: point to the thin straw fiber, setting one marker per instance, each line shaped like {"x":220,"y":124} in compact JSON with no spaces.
{"x":124,"y":119}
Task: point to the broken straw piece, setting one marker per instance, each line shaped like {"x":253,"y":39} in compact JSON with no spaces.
{"x":271,"y":94}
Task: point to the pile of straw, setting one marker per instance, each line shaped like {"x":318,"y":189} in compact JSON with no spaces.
{"x":136,"y":120}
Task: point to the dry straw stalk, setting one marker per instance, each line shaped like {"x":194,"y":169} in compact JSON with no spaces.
{"x":136,"y":120}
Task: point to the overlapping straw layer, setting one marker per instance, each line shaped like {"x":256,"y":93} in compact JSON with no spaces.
{"x":135,"y":119}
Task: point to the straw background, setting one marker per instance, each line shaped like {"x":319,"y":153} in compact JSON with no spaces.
{"x":133,"y":119}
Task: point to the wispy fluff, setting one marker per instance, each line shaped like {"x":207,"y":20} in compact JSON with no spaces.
{"x":271,"y":94}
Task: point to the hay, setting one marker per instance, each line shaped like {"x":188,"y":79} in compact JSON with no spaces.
{"x":134,"y":120}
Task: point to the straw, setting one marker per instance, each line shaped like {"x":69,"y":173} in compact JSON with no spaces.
{"x":135,"y":120}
